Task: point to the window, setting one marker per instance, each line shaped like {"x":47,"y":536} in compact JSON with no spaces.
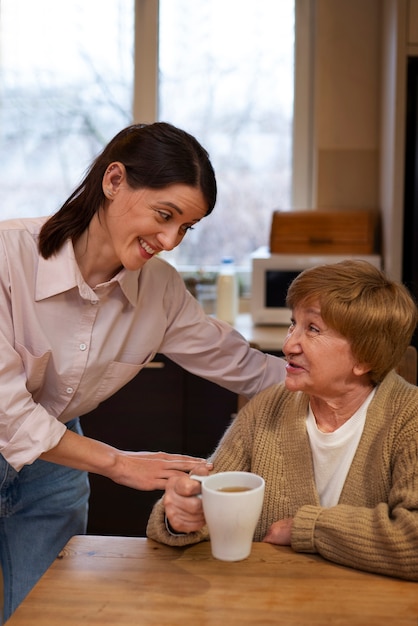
{"x":225,"y":74}
{"x":66,"y":87}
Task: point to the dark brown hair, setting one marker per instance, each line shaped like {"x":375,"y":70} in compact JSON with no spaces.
{"x":154,"y":155}
{"x":377,"y":315}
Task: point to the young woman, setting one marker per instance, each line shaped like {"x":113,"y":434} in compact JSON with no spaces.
{"x":85,"y":303}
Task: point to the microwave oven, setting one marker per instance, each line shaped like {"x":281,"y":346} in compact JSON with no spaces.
{"x":272,"y":274}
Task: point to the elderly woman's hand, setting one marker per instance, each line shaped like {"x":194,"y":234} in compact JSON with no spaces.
{"x":182,"y":506}
{"x":280,"y":532}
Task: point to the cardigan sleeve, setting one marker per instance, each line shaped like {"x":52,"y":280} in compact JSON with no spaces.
{"x":380,"y":538}
{"x":232,"y":453}
{"x":157,"y":529}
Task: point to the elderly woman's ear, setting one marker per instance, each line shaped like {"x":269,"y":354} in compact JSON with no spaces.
{"x":360,"y":369}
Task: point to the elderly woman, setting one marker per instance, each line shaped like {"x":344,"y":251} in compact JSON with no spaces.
{"x":337,"y":442}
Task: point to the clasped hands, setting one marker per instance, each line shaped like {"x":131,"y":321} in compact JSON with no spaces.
{"x":184,"y":510}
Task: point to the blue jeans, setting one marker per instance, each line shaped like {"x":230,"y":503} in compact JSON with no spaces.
{"x":41,"y":508}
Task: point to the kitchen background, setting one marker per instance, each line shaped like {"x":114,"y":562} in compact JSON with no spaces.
{"x":346,"y":148}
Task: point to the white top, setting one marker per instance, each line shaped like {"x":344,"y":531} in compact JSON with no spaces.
{"x":66,"y":347}
{"x":333,"y":453}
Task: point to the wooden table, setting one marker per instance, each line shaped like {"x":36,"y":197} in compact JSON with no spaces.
{"x":135,"y":581}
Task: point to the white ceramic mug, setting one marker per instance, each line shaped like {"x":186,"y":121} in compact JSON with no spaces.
{"x":232,"y":503}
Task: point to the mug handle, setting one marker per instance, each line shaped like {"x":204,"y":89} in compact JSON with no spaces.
{"x":200,"y":479}
{"x":197,"y":477}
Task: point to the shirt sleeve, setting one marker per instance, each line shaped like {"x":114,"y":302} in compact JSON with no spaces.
{"x":26,"y":428}
{"x":212,"y":349}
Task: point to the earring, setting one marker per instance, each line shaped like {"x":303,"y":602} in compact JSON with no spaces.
{"x":109,"y":192}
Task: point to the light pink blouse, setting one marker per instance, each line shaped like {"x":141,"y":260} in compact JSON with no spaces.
{"x":66,"y":347}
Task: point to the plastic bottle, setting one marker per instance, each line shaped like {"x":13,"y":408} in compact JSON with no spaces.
{"x":227,"y":292}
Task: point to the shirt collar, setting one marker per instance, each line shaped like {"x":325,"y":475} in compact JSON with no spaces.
{"x":61,"y":273}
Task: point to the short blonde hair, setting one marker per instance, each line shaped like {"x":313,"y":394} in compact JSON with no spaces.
{"x":378,"y":316}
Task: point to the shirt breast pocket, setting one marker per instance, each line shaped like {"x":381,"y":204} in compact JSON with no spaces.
{"x":117,"y":374}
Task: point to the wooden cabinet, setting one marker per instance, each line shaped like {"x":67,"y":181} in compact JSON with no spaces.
{"x":413,"y":22}
{"x":163,"y":408}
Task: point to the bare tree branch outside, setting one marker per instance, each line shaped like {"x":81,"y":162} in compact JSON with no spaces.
{"x":226,"y":76}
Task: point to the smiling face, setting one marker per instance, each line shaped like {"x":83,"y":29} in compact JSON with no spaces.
{"x":319,"y":359}
{"x":139,"y":223}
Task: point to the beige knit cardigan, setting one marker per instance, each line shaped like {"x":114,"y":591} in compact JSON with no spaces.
{"x":374,"y":526}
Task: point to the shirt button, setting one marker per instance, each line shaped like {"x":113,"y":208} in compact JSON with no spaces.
{"x":83,"y":346}
{"x":69,"y":390}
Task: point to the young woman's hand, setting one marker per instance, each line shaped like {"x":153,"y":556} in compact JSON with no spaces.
{"x":146,"y":471}
{"x":155,"y":470}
